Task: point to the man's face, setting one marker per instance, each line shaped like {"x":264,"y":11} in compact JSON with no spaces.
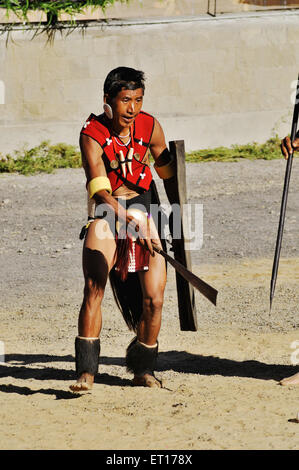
{"x":126,"y":106}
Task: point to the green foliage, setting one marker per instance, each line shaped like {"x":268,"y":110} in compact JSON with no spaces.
{"x":268,"y":151}
{"x":42,"y":158}
{"x":47,"y":158}
{"x":52,"y":8}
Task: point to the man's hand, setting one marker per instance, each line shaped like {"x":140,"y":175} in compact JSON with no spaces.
{"x":287,"y":147}
{"x":140,"y":230}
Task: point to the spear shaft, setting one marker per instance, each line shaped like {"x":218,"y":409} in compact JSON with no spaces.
{"x":284,"y":198}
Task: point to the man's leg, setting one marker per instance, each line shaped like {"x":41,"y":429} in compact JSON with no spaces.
{"x":98,"y":258}
{"x":142,"y":352}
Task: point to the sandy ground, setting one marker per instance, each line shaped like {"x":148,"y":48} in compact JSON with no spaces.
{"x":221,"y":382}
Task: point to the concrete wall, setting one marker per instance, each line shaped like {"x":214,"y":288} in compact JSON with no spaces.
{"x":135,"y":9}
{"x":159,"y":8}
{"x":210,"y":81}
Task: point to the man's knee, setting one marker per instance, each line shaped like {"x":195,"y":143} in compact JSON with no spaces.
{"x":153,"y":305}
{"x":93,"y":288}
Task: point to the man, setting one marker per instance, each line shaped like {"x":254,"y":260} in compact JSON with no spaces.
{"x":288,"y":147}
{"x":115,"y":150}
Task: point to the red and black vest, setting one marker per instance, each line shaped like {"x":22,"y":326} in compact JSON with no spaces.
{"x":141,"y":133}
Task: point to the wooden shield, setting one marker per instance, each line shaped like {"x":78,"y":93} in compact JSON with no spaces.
{"x":185,"y":292}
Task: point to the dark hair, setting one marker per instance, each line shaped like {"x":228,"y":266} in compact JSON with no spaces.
{"x":123,"y":78}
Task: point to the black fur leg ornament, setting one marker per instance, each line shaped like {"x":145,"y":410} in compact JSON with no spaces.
{"x":87,"y":355}
{"x":140,"y":359}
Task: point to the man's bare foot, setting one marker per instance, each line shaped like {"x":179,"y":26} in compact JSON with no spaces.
{"x":147,"y":380}
{"x":83,"y":384}
{"x":293,"y":380}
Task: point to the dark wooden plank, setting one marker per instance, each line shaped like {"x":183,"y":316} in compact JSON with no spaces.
{"x":185,"y":292}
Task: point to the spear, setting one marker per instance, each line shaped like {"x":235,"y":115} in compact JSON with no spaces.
{"x":284,"y":198}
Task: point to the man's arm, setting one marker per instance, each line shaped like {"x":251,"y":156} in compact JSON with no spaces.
{"x":94,"y":167}
{"x":92,"y":161}
{"x":162,"y":157}
{"x":287,"y":147}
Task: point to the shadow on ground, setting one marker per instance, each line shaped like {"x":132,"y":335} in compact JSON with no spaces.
{"x":20,"y":366}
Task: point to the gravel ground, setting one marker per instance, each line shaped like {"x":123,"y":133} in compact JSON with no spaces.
{"x":43,"y":215}
{"x":238,"y":350}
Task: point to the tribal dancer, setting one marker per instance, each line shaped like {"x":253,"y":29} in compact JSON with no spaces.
{"x":288,"y":147}
{"x":115,"y":150}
